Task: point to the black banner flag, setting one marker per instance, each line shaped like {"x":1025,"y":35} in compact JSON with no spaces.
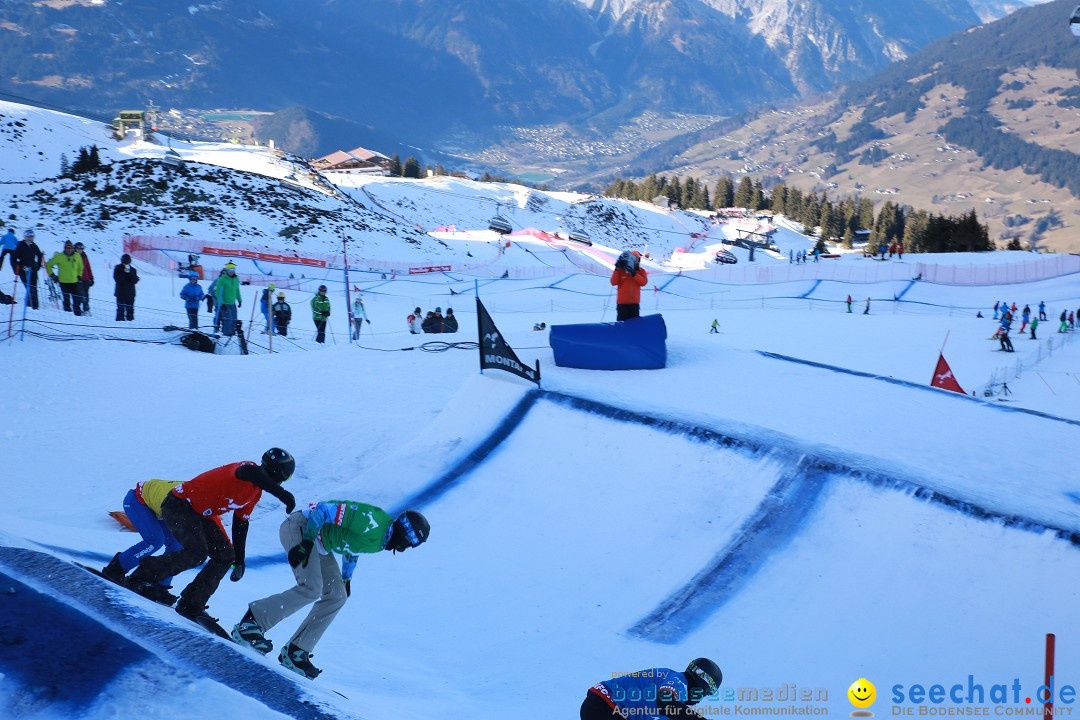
{"x":495,"y":353}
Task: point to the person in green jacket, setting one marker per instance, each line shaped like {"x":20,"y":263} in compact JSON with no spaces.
{"x":227,"y":295}
{"x":320,"y":310}
{"x":67,"y":267}
{"x":311,"y":537}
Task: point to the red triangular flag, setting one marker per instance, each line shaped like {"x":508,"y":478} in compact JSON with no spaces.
{"x":944,"y":378}
{"x":355,"y":289}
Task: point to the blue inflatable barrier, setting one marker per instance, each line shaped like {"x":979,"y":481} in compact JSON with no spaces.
{"x":638,"y":344}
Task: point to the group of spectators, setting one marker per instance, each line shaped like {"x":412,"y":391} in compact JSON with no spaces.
{"x":70,"y":270}
{"x":433,"y":322}
{"x":1005,"y":314}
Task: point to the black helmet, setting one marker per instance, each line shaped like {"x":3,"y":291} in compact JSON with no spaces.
{"x":704,"y":676}
{"x":278,"y":464}
{"x":409,"y":530}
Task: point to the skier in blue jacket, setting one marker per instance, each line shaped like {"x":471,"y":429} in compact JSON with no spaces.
{"x":653,"y":693}
{"x":8,"y":244}
{"x":193,"y":294}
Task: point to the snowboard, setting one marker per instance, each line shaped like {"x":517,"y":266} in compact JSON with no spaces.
{"x":210,"y":625}
{"x":97,"y":572}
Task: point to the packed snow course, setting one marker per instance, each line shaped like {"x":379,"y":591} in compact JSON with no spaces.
{"x":787,"y":497}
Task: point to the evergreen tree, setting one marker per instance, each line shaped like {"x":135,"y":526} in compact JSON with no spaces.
{"x":745,"y":193}
{"x":757,"y":196}
{"x":411,"y":168}
{"x":724,"y":194}
{"x":915,"y":231}
{"x":65,"y":166}
{"x":778,"y":201}
{"x":866,"y":214}
{"x":395,"y":165}
{"x":848,"y":240}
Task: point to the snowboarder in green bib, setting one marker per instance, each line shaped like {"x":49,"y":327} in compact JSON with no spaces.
{"x":311,"y":537}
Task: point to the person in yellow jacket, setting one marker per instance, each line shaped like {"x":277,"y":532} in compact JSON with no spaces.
{"x":68,"y":265}
{"x":143,"y":508}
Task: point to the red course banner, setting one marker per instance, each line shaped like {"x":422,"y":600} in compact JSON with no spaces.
{"x":428,"y":269}
{"x":268,"y":257}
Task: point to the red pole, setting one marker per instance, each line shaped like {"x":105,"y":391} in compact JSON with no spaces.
{"x":1049,"y":677}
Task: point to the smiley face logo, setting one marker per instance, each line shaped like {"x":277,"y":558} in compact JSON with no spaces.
{"x":862,"y":693}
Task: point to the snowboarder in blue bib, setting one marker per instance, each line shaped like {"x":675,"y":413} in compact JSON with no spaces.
{"x":654,"y":693}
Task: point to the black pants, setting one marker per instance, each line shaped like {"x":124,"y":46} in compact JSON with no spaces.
{"x":125,"y":311}
{"x":280,"y":329}
{"x":201,"y":538}
{"x":193,"y":318}
{"x":82,"y":297}
{"x":4,"y":254}
{"x":71,"y":297}
{"x":627,"y":311}
{"x":320,"y":328}
{"x":594,"y":708}
{"x":1006,"y":343}
{"x":29,"y":279}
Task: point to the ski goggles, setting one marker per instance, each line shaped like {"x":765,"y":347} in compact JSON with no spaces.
{"x":704,"y":677}
{"x":410,"y":532}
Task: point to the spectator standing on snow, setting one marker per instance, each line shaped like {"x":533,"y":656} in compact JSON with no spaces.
{"x":1025,"y":316}
{"x":310,"y":538}
{"x":900,"y":251}
{"x":450,"y":323}
{"x":320,"y":311}
{"x":126,"y":278}
{"x":791,"y":256}
{"x":415,"y":322}
{"x":193,"y":295}
{"x":849,"y":303}
{"x":227,"y":298}
{"x":1042,"y":310}
{"x":86,"y":280}
{"x":192,"y":511}
{"x":211,"y":297}
{"x":66,"y":268}
{"x":866,"y":311}
{"x":1071,"y":320}
{"x":359,"y":317}
{"x":28,"y":260}
{"x":282,"y":315}
{"x":629,"y":277}
{"x":715,"y":327}
{"x":996,"y":306}
{"x":1034,"y":324}
{"x":265,"y":301}
{"x":8,"y":243}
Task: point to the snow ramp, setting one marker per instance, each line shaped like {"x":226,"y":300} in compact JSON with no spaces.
{"x":74,"y":645}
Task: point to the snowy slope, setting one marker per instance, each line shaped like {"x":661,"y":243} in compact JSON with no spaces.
{"x":788,"y":496}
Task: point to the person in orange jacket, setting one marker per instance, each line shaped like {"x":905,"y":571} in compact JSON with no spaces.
{"x":629,"y":277}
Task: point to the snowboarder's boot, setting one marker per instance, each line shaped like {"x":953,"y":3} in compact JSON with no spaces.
{"x":248,"y":632}
{"x":151,"y":591}
{"x":299,"y":661}
{"x":113,"y":571}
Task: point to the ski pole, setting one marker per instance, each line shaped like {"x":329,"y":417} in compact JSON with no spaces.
{"x":252,"y":320}
{"x":26,"y":304}
{"x":14,"y":295}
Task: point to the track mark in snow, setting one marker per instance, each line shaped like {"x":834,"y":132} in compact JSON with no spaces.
{"x":781,"y":515}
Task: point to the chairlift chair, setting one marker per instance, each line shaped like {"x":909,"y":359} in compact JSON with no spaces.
{"x":579,"y":237}
{"x":500,"y":225}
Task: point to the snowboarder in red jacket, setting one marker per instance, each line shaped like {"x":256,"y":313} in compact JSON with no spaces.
{"x":192,"y":511}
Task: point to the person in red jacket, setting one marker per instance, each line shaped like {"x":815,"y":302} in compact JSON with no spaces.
{"x":192,"y":511}
{"x":629,"y":277}
{"x":85,"y":281}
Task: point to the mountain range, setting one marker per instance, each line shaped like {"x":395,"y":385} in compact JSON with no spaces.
{"x":985,"y":119}
{"x":456,"y":70}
